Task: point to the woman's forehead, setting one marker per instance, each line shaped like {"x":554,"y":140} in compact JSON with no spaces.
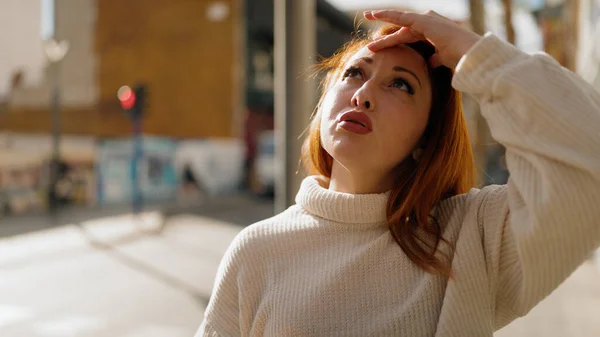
{"x":400,"y":54}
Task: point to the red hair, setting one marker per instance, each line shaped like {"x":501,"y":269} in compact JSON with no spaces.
{"x":445,"y":168}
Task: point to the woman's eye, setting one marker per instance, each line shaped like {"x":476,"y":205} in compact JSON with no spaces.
{"x":403,"y":85}
{"x":352,"y":72}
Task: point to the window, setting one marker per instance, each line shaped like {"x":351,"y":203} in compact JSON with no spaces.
{"x":47,"y":18}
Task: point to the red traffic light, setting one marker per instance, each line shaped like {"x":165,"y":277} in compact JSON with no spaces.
{"x":126,"y":97}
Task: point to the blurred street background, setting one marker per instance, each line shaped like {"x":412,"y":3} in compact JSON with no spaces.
{"x":138,"y":137}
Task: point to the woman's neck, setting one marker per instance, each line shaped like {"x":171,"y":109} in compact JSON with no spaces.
{"x":353,"y":182}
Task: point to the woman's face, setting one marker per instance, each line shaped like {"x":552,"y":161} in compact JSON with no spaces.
{"x":375,"y":112}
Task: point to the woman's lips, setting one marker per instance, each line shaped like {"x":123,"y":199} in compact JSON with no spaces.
{"x":356,"y":122}
{"x":354,"y":127}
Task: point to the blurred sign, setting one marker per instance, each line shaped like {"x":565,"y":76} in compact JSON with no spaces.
{"x":24,"y":172}
{"x":156,"y":171}
{"x":20,"y":185}
{"x":216,"y":164}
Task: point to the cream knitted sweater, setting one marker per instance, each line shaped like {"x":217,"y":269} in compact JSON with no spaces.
{"x":328,"y":266}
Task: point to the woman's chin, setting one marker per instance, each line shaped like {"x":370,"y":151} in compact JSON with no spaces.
{"x":351,"y":153}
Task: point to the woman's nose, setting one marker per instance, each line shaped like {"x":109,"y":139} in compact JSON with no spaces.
{"x":363,"y":99}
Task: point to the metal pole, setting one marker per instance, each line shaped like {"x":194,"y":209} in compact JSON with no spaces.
{"x":137,"y":197}
{"x":295,"y":30}
{"x":55,"y":160}
{"x":571,"y":18}
{"x":508,"y":17}
{"x":496,"y":172}
{"x":477,"y":19}
{"x":56,"y":120}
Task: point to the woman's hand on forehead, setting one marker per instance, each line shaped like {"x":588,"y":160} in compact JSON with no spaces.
{"x":451,"y":41}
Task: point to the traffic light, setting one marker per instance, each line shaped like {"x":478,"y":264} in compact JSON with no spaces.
{"x":133,"y":101}
{"x":126,"y":97}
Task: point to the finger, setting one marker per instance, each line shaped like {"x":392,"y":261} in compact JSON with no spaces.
{"x":404,"y":35}
{"x":436,"y":14}
{"x":377,"y":39}
{"x":369,"y":15}
{"x":400,"y":18}
{"x":413,"y":33}
{"x":390,"y":41}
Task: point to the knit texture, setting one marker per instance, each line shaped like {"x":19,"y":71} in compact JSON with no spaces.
{"x":328,"y":265}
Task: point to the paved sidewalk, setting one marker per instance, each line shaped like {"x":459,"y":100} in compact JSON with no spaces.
{"x":117,"y":276}
{"x":236,"y":208}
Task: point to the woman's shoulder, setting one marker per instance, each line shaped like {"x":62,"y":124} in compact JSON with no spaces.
{"x":281,"y":222}
{"x":475,"y":197}
{"x":472,"y":206}
{"x":261,"y":233}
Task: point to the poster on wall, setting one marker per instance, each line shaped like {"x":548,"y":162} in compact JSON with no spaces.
{"x":76,"y":181}
{"x":20,"y":183}
{"x":24,"y":172}
{"x":156,"y":171}
{"x":210,"y":167}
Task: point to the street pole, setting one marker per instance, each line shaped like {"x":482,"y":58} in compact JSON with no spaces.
{"x":137,"y":156}
{"x":497,"y":172}
{"x":295,"y":30}
{"x":571,"y":33}
{"x":477,"y":20}
{"x":510,"y":28}
{"x":55,"y":51}
{"x":56,"y":135}
{"x":55,"y":159}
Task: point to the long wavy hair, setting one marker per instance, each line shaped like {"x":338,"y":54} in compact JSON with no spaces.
{"x":444,"y":169}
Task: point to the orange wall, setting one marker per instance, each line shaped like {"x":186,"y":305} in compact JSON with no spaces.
{"x":187,"y":62}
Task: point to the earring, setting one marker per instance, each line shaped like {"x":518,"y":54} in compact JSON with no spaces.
{"x":416,"y":154}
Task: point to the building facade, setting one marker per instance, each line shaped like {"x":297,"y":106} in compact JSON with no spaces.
{"x":205,"y":64}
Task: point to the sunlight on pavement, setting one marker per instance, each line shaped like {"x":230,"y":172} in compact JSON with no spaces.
{"x":159,"y":331}
{"x":109,"y":228}
{"x":152,"y":276}
{"x":68,"y":326}
{"x":42,"y":243}
{"x":13,"y":314}
{"x":193,"y":229}
{"x":69,"y":237}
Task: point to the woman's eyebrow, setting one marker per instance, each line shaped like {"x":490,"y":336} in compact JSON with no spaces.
{"x":396,"y":68}
{"x":367,"y":59}
{"x":402,"y":69}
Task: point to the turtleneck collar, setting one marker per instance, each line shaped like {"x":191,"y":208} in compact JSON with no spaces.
{"x":316,"y":199}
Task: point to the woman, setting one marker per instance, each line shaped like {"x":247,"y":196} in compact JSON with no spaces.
{"x":387,"y":238}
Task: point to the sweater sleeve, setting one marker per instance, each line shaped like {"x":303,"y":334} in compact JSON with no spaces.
{"x":540,"y":227}
{"x":222,"y":315}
